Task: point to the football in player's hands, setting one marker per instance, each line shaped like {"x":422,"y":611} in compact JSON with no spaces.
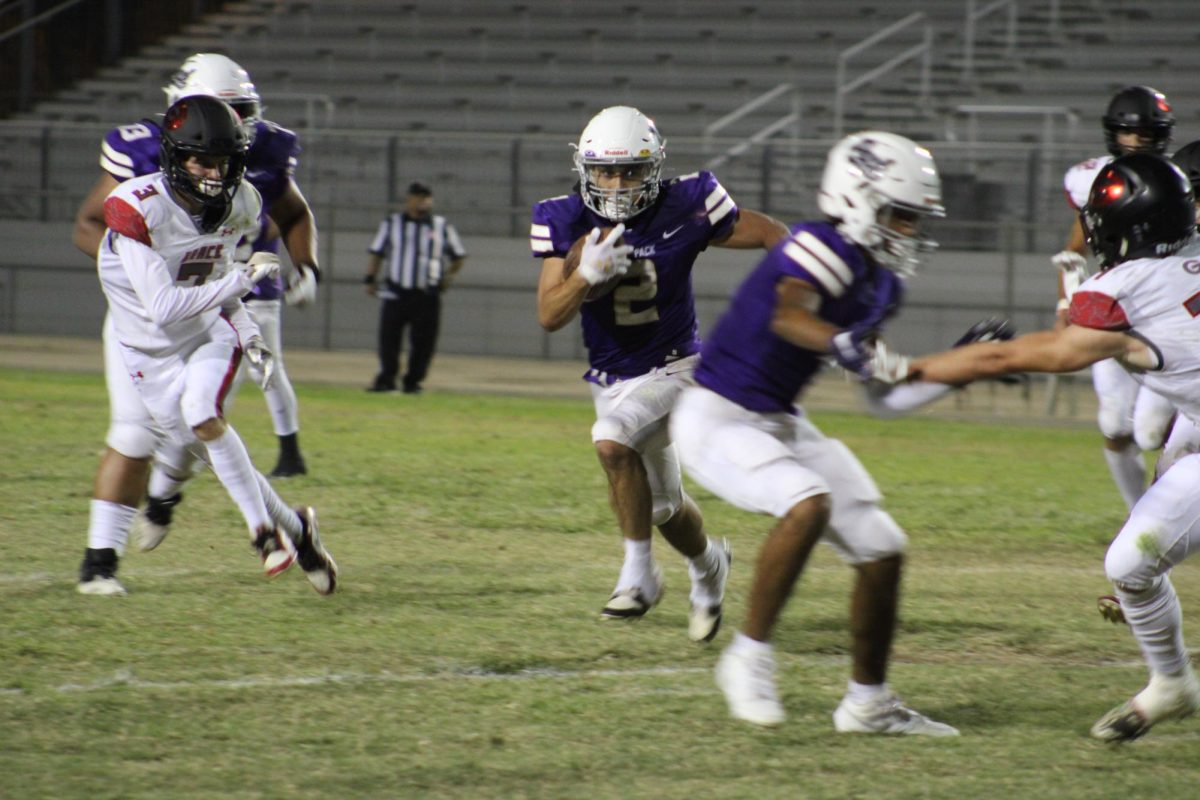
{"x":575,"y":255}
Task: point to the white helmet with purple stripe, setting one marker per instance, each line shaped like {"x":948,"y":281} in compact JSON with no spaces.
{"x":219,"y":76}
{"x":620,"y":142}
{"x":879,"y":188}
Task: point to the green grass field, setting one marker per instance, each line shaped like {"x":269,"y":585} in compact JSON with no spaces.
{"x":464,"y":656}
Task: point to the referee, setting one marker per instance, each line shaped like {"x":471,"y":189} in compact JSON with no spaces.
{"x":423,"y":254}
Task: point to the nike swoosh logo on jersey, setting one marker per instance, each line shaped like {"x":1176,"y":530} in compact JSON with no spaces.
{"x":669,"y":234}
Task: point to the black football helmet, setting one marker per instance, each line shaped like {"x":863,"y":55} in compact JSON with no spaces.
{"x":1187,"y":158}
{"x":1141,"y":205}
{"x":199,"y":125}
{"x":1139,"y":108}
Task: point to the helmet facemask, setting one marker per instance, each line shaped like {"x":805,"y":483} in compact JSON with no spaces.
{"x":621,"y":202}
{"x":900,"y":238}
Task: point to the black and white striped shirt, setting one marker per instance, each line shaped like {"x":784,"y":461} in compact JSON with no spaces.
{"x":415,"y":251}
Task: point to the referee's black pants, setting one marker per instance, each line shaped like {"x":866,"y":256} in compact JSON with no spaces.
{"x":420,"y":311}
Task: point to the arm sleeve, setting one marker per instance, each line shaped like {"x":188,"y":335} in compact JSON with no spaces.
{"x":379,"y":245}
{"x":235,"y":311}
{"x":163,"y":300}
{"x":893,"y":401}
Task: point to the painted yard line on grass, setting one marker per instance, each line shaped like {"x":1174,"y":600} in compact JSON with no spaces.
{"x":125,"y":679}
{"x":153,"y":573}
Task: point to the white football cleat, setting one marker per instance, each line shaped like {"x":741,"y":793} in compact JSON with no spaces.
{"x":98,"y":573}
{"x":110,"y":587}
{"x":1164,"y":698}
{"x":708,"y":592}
{"x":633,"y":602}
{"x":318,"y":565}
{"x":749,"y":686}
{"x":888,"y":716}
{"x":276,"y":550}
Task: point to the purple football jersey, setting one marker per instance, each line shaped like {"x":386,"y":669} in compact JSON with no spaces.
{"x":650,"y":318}
{"x":745,"y":362}
{"x":132,"y":150}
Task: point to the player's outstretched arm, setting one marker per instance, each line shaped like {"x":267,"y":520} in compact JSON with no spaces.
{"x":1065,"y":350}
{"x":298,"y":227}
{"x":754,"y":229}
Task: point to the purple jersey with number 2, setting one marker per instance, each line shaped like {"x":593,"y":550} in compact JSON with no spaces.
{"x":132,"y":150}
{"x":650,"y":318}
{"x":745,"y":362}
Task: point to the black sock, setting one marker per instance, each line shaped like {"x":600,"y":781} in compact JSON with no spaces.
{"x":289,"y":446}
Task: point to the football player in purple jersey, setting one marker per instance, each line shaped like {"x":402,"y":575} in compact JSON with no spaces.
{"x":826,"y":291}
{"x":641,"y":336}
{"x":132,"y":440}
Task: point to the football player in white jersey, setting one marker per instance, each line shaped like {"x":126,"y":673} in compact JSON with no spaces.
{"x":132,"y":440}
{"x":167,"y":270}
{"x":1132,"y":419}
{"x":1141,"y":310}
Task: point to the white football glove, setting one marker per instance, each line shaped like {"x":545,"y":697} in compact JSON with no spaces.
{"x":262,"y":265}
{"x":885,"y":366}
{"x":262,"y":360}
{"x":301,"y":287}
{"x":1074,"y":269}
{"x":602,"y":260}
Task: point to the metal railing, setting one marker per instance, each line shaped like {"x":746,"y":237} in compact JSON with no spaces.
{"x":790,"y":121}
{"x":923,"y":51}
{"x":969,"y":31}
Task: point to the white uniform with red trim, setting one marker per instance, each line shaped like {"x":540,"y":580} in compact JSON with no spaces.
{"x":1157,"y":300}
{"x":173,"y":298}
{"x":1125,"y":409}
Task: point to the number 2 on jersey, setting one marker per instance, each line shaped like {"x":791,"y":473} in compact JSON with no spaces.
{"x":646,"y":289}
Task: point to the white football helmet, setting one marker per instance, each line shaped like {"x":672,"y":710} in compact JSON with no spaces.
{"x":217,"y":76}
{"x":625,"y":140}
{"x":874,"y":178}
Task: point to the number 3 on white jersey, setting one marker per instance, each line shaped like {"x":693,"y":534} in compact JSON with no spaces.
{"x":645,"y":289}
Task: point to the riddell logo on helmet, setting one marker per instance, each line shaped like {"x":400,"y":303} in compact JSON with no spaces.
{"x":616,"y":151}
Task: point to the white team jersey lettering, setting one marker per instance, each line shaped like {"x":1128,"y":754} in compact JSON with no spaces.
{"x":191,"y":258}
{"x":1078,"y":180}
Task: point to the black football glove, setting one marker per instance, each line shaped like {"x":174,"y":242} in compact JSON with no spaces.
{"x":992,"y":329}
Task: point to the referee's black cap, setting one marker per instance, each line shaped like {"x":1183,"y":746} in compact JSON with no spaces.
{"x":420,"y":188}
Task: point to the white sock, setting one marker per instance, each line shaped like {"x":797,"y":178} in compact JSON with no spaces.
{"x":162,"y":484}
{"x":750,"y":647}
{"x":864,"y":693}
{"x":703,"y":592}
{"x":638,"y":564}
{"x":283,"y":515}
{"x":232,"y":464}
{"x":1128,"y":471}
{"x":1156,"y":619}
{"x":108,"y":525}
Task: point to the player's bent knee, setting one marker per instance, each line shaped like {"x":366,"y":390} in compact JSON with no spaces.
{"x":608,"y":429}
{"x":131,"y":441}
{"x":209,"y":429}
{"x":870,"y":533}
{"x":1149,"y":437}
{"x":665,"y":507}
{"x":616,"y":456}
{"x":1114,"y":423}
